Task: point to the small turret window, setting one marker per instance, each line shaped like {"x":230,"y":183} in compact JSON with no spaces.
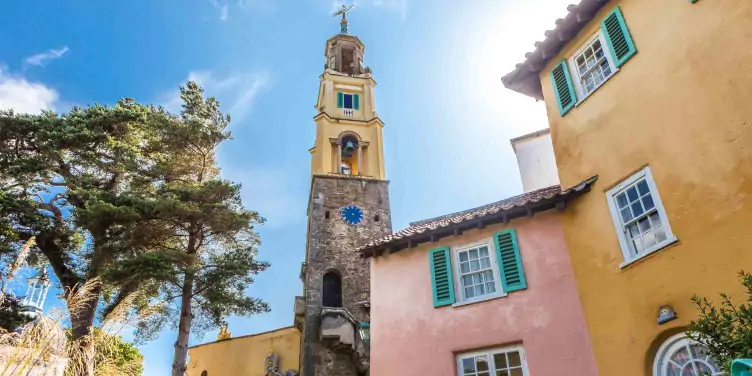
{"x":348,"y":101}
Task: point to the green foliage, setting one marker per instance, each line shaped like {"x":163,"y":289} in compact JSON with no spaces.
{"x":12,"y":313}
{"x":726,"y":330}
{"x":130,"y":196}
{"x":114,"y":356}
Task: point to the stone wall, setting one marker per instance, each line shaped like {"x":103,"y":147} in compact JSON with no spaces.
{"x":331,"y":246}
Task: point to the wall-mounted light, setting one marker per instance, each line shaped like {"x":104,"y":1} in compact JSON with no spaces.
{"x":665,"y":314}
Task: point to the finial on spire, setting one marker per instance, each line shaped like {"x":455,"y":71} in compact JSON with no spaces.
{"x":343,"y":23}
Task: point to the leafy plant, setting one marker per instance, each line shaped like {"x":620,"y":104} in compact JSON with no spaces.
{"x":726,"y":330}
{"x":12,"y":314}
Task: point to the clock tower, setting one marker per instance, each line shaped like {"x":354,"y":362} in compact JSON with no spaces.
{"x":348,"y":206}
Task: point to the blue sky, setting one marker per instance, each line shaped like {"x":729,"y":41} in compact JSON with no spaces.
{"x":438,"y":66}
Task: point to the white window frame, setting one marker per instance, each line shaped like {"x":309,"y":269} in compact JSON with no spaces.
{"x":668,"y":348}
{"x":459,"y":291}
{"x":582,"y":93}
{"x":489,"y":353}
{"x":627,"y":249}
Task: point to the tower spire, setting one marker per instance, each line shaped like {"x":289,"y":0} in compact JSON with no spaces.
{"x":36,"y":292}
{"x":343,"y":23}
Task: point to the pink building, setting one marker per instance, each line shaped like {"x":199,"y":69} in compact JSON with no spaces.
{"x":488,"y":291}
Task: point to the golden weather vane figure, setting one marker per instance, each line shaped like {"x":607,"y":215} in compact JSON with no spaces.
{"x":343,"y":24}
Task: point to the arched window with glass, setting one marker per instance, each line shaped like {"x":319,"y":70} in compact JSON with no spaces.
{"x":680,"y":356}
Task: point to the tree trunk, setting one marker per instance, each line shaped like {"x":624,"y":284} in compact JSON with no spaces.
{"x":184,"y":327}
{"x":82,"y":322}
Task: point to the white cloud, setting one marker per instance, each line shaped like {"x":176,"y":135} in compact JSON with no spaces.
{"x":24,"y":96}
{"x":236,"y":92}
{"x":42,"y":59}
{"x":223,"y":12}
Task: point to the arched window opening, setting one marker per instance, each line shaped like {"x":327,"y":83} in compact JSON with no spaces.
{"x":680,"y":355}
{"x":204,"y":373}
{"x":332,"y":296}
{"x":349,"y":156}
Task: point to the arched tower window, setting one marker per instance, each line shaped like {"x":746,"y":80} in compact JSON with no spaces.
{"x":332,"y":296}
{"x":349,"y":155}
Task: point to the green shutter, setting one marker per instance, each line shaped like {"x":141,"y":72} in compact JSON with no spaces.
{"x":356,"y":101}
{"x":618,"y":38}
{"x":340,"y":100}
{"x":562,"y":84}
{"x":441,"y":277}
{"x":510,"y":263}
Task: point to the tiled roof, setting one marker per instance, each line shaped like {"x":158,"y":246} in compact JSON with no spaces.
{"x":525,"y":77}
{"x":500,"y":211}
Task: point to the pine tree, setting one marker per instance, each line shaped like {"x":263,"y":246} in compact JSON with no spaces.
{"x":12,"y":314}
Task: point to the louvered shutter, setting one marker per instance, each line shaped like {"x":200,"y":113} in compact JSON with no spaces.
{"x":510,"y":263}
{"x":340,"y":100}
{"x":562,"y":84}
{"x":441,"y":277}
{"x":618,"y":38}
{"x":356,"y":101}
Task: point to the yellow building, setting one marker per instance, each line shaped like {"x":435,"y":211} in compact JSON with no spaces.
{"x":669,"y":131}
{"x":253,"y":355}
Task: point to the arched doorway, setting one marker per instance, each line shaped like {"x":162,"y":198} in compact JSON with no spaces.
{"x":680,"y":356}
{"x":332,"y":294}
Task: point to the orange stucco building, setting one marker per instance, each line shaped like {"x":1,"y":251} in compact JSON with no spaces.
{"x":655,"y":98}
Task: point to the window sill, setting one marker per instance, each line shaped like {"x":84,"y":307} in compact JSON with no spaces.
{"x":616,"y":70}
{"x":479,"y":300}
{"x":656,"y":248}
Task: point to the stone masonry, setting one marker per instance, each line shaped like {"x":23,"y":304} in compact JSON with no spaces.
{"x":331,"y":246}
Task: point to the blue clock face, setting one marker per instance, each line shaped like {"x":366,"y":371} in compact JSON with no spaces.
{"x":351,"y":214}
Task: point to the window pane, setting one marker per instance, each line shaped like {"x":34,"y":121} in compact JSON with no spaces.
{"x":490,"y":287}
{"x":473,"y":254}
{"x":502,"y":373}
{"x":621,"y":199}
{"x":500,"y":360}
{"x":655,"y":220}
{"x":633,"y":231}
{"x":469,"y":292}
{"x":642,"y":186}
{"x":514,"y":359}
{"x":474,"y":265}
{"x":348,"y":101}
{"x":516,"y":372}
{"x":626,"y":215}
{"x":644,"y":224}
{"x":482,"y":363}
{"x":480,"y":290}
{"x":485,"y":263}
{"x":465,"y":267}
{"x":660,"y":235}
{"x":483,"y":374}
{"x":488,"y":275}
{"x":632,"y":193}
{"x":637,"y":209}
{"x":649,"y":239}
{"x":463,"y":256}
{"x":647,"y":201}
{"x":483,"y":251}
{"x":468,"y":365}
{"x":638,"y":245}
{"x":467,"y":280}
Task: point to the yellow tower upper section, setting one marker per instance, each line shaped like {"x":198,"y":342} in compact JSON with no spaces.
{"x":348,"y":130}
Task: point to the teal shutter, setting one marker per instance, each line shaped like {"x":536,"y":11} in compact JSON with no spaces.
{"x":510,"y":263}
{"x":356,"y":101}
{"x":562,"y":84}
{"x":618,"y":38}
{"x":340,"y":100}
{"x":441,"y":277}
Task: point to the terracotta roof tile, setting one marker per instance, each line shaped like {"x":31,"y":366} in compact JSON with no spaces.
{"x":426,"y":226}
{"x":525,"y":77}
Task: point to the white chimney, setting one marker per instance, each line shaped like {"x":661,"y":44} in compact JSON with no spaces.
{"x":536,"y":160}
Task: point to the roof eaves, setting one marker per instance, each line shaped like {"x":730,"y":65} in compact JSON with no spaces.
{"x":454,"y":224}
{"x":525,"y":78}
